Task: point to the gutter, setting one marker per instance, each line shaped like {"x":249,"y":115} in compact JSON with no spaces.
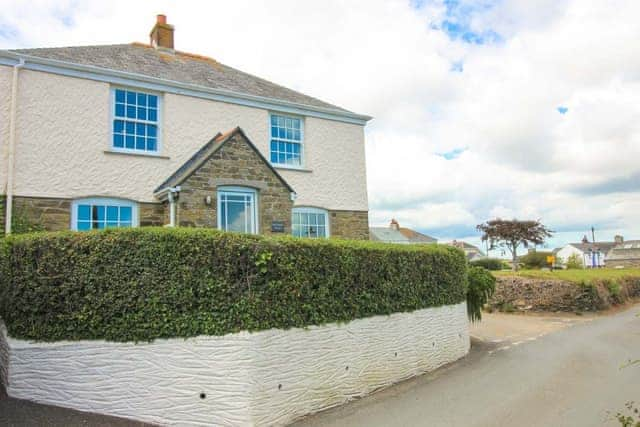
{"x":171,"y":86}
{"x":12,"y":145}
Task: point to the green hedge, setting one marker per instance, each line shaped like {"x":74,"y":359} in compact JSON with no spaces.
{"x":493,"y":264}
{"x":146,"y":283}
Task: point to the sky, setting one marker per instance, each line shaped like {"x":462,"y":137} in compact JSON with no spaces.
{"x":482,"y":109}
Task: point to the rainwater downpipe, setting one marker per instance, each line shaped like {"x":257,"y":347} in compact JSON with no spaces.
{"x":12,"y":145}
{"x":172,"y":196}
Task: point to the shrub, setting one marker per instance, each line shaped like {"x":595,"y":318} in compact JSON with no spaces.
{"x":147,"y":283}
{"x":574,"y":262}
{"x":535,"y":260}
{"x":493,"y":264}
{"x":482,"y":285}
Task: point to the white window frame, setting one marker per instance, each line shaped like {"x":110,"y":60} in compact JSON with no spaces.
{"x":243,"y":191}
{"x":301,"y":142}
{"x":104,"y":201}
{"x":308,"y":209}
{"x":112,"y":116}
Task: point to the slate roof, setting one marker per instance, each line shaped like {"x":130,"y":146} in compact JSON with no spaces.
{"x":629,"y":249}
{"x":204,"y":153}
{"x":388,"y":235}
{"x":416,"y":237}
{"x":180,"y":67}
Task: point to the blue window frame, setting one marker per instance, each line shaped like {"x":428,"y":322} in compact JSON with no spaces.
{"x":135,"y":121}
{"x":286,"y":140}
{"x":310,"y":222}
{"x":99,"y":213}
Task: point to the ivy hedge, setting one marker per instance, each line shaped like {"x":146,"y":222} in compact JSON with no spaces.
{"x":147,"y":283}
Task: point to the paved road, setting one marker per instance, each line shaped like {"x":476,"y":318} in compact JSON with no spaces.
{"x":571,"y":377}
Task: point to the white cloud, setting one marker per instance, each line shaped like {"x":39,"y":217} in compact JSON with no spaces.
{"x":384,"y":58}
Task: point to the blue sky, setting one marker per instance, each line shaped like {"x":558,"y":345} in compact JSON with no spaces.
{"x":516,"y":109}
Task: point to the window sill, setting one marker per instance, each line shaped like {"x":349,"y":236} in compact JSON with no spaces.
{"x":133,"y":153}
{"x":291,"y":168}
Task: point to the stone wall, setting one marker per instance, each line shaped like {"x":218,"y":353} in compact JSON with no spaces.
{"x":52,"y":214}
{"x":153,"y":214}
{"x":349,"y":224}
{"x":524,"y":294}
{"x":263,"y":378}
{"x":235,"y":164}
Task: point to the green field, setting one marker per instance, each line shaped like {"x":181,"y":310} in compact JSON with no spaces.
{"x":576,"y":276}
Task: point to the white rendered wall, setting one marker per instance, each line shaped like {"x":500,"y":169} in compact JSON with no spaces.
{"x":64,"y":128}
{"x":264,"y":378}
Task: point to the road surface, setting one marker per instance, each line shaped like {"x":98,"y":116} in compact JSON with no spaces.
{"x":572,"y":376}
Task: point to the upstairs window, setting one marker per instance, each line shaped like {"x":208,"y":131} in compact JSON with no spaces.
{"x":99,"y":213}
{"x":310,"y":222}
{"x":286,"y":141}
{"x":135,"y":121}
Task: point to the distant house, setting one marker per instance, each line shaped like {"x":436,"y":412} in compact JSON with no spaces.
{"x":624,"y":254}
{"x":591,"y":254}
{"x":471,"y":252}
{"x":396,"y":234}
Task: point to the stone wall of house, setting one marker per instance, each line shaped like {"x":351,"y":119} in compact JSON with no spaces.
{"x":235,"y":164}
{"x":50,"y":213}
{"x":630,"y":258}
{"x":349,"y":224}
{"x":153,"y":214}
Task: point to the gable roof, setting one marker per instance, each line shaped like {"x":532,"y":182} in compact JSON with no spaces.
{"x":388,"y":234}
{"x":205,"y":153}
{"x":416,"y":237}
{"x":182,"y":67}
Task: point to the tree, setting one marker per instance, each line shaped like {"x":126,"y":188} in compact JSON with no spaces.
{"x":513,"y":233}
{"x":574,"y":262}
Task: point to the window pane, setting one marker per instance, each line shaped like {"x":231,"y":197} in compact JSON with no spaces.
{"x":142,"y":113}
{"x":118,"y":126}
{"x":131,"y":97}
{"x":125,"y":213}
{"x":130,"y":141}
{"x":112,"y":213}
{"x":84,"y":225}
{"x":119,"y":95}
{"x":131,"y":112}
{"x":131,"y":128}
{"x":153,"y":115}
{"x":140,"y":143}
{"x":120,"y":110}
{"x":153,"y":101}
{"x":118,"y":140}
{"x":152,"y":144}
{"x":142,"y":99}
{"x":140,"y":129}
{"x":98,"y":213}
{"x":84,"y":213}
{"x":152,"y":130}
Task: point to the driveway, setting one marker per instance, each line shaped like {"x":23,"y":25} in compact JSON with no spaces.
{"x":534,"y":370}
{"x":527,"y":370}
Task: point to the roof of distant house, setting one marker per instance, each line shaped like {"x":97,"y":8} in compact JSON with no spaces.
{"x":601,"y":246}
{"x":396,"y":234}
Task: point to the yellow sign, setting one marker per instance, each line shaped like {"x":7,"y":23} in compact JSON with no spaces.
{"x":551,"y":259}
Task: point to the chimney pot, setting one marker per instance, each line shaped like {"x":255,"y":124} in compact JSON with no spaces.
{"x":394,"y":225}
{"x":162,"y":34}
{"x":618,"y":239}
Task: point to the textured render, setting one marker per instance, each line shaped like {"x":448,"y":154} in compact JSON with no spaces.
{"x":63,"y":131}
{"x":264,"y":378}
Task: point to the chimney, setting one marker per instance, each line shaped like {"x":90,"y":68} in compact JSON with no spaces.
{"x":394,"y":225}
{"x":618,"y":239}
{"x":162,"y":34}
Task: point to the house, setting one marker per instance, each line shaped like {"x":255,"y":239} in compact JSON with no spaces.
{"x":396,"y":234}
{"x":590,"y":254}
{"x":146,"y":135}
{"x":471,"y":252}
{"x":624,"y":254}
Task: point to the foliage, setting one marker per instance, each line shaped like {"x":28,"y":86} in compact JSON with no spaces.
{"x":582,"y":276}
{"x":21,"y":224}
{"x":494,"y":264}
{"x":574,"y":262}
{"x":146,"y":283}
{"x":482,"y":285}
{"x":535,"y":259}
{"x":629,"y":420}
{"x":513,"y":233}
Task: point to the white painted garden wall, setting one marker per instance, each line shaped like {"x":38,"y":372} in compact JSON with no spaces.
{"x":262,"y":378}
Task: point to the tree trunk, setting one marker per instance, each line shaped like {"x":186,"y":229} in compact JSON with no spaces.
{"x":514,"y":258}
